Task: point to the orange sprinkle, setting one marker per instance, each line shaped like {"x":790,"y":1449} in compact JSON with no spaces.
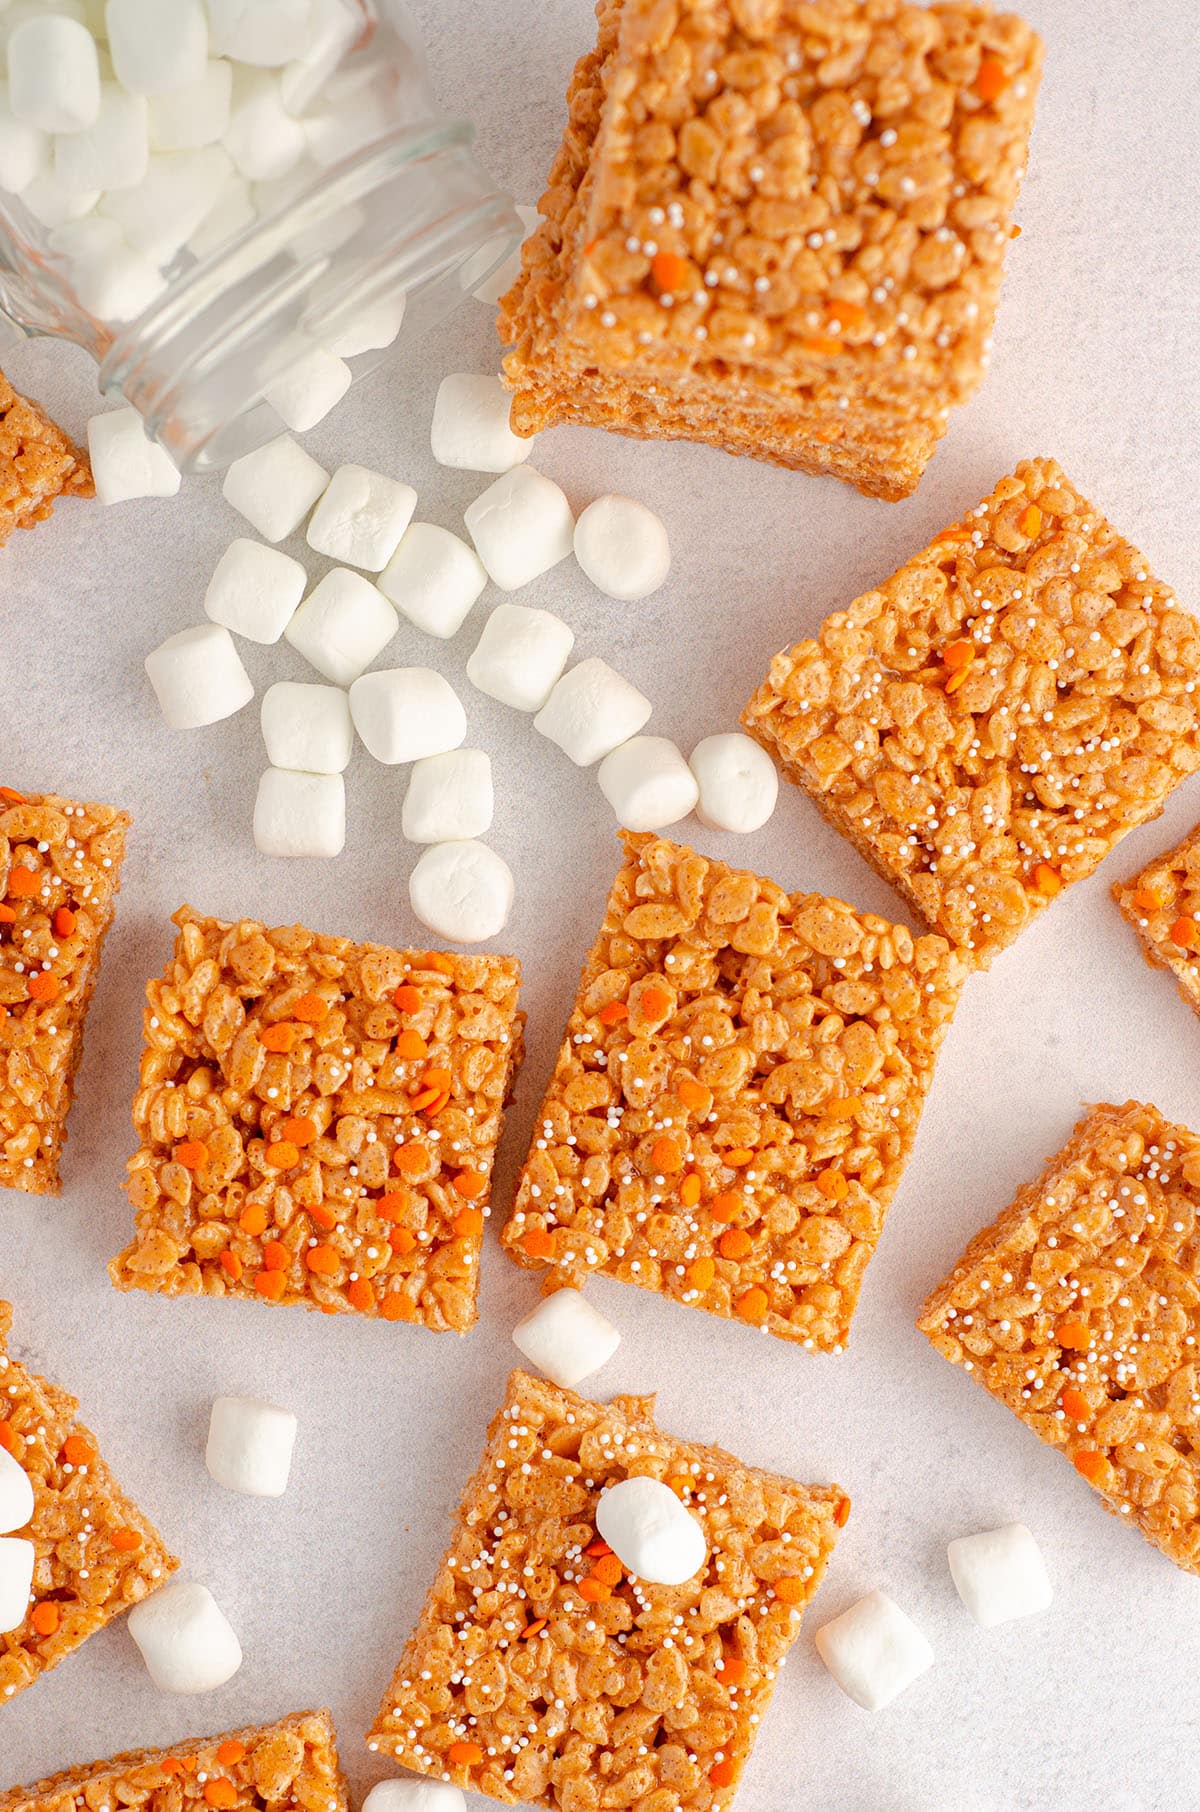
{"x":393,"y":1205}
{"x":833,"y":1185}
{"x":270,"y":1284}
{"x":841,"y":1514}
{"x":468,"y":1224}
{"x":11,"y":795}
{"x":669,"y":270}
{"x":276,"y":1256}
{"x":310,"y":1009}
{"x":654,"y":1002}
{"x":298,"y":1129}
{"x":1075,"y":1405}
{"x":8,"y":1439}
{"x":721,"y":1774}
{"x":1183,"y":933}
{"x":532,"y":1629}
{"x":231,"y":1264}
{"x":1030,"y":521}
{"x":538,"y":1243}
{"x":665,"y":1154}
{"x":957,"y":655}
{"x":725,"y":1207}
{"x":690,"y":1189}
{"x":436,"y":1077}
{"x":992,"y":79}
{"x":23,"y":883}
{"x":220,"y":1793}
{"x":596,"y":1548}
{"x":253,"y":1219}
{"x":126,"y":1541}
{"x":608,"y":1570}
{"x":360,"y":1295}
{"x":43,"y":986}
{"x":401,"y":1240}
{"x":231,"y":1752}
{"x":471,"y":1184}
{"x":1146,"y":900}
{"x":322,"y":1261}
{"x":1047,"y":880}
{"x":192,"y":1154}
{"x":733,"y":1670}
{"x":282,"y":1155}
{"x":464,"y":1755}
{"x":850,"y":314}
{"x":1014,"y":231}
{"x":753,"y":1305}
{"x":789,"y":1591}
{"x":842,"y":1107}
{"x":440,"y":963}
{"x":407,"y":998}
{"x":613,"y":1013}
{"x":7,"y":915}
{"x":411,"y":1046}
{"x":324,"y":1217}
{"x":64,"y":922}
{"x":279,"y":1038}
{"x":956,"y":682}
{"x":738,"y":1157}
{"x":694,"y":1094}
{"x":397,"y":1307}
{"x":45,"y":1618}
{"x":593,"y":1590}
{"x":171,"y":1765}
{"x":821,"y":346}
{"x":77,"y":1452}
{"x":1073,"y":1333}
{"x":1094,"y":1466}
{"x":735,"y":1244}
{"x":408,"y":1159}
{"x":700,"y":1273}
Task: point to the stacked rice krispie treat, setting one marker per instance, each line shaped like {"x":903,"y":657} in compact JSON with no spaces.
{"x":38,"y":464}
{"x":1162,"y":903}
{"x":778,"y":227}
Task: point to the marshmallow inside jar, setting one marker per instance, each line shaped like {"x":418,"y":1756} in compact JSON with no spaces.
{"x":652,"y":1534}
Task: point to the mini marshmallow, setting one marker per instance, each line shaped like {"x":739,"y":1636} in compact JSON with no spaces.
{"x":333,"y":26}
{"x":361,"y":518}
{"x":265,"y":32}
{"x":521,"y":526}
{"x":300,"y":814}
{"x":115,"y":283}
{"x":434,"y":578}
{"x":622,"y":547}
{"x":650,"y":1531}
{"x":195,"y":115}
{"x":250,"y":1446}
{"x":307,"y":727}
{"x":157,"y":46}
{"x":113,"y":152}
{"x":357,"y":105}
{"x":234,"y":211}
{"x":566,"y":1338}
{"x":177,"y":193}
{"x":592,"y":711}
{"x":16,"y":1494}
{"x":463,"y":891}
{"x":874,"y":1651}
{"x":185,"y":1639}
{"x":275,"y":487}
{"x":54,"y":206}
{"x":369,"y":328}
{"x":506,"y":273}
{"x":470,"y":425}
{"x":24,"y":150}
{"x":125,"y":461}
{"x":53,"y":73}
{"x":17,"y":1557}
{"x":414,"y":1796}
{"x":314,"y":383}
{"x":738,"y":783}
{"x":449,"y":797}
{"x":198,"y":677}
{"x":254,"y":591}
{"x":262,"y":138}
{"x":342,"y":625}
{"x":999,"y":1574}
{"x":406,"y":713}
{"x":648,"y":783}
{"x":520,"y":656}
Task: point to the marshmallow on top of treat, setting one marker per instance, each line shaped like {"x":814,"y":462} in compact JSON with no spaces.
{"x":250,"y":1446}
{"x":738,"y":783}
{"x":17,"y":1557}
{"x":566,"y":1338}
{"x":999,"y":1574}
{"x":185,"y":1638}
{"x":16,"y":1494}
{"x":470,"y":425}
{"x":648,"y":783}
{"x":521,"y":526}
{"x":433,"y":578}
{"x":622,"y":547}
{"x":414,"y":1796}
{"x":462,"y":890}
{"x":650,"y":1531}
{"x":198,"y":677}
{"x":874,"y":1651}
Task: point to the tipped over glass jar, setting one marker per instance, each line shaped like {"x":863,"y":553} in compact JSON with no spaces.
{"x":237,"y":206}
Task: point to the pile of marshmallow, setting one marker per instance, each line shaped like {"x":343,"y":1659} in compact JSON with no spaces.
{"x":144,"y":134}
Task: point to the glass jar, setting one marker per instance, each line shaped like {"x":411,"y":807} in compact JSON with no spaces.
{"x":261,"y":291}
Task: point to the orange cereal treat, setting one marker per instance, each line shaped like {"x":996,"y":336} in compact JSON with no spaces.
{"x":736,"y":1095}
{"x":37,"y":464}
{"x":60,"y":870}
{"x":1163,"y":906}
{"x":1079,"y":1309}
{"x":291,"y":1766}
{"x":541,"y":1672}
{"x":992,"y":719}
{"x":318,"y":1122}
{"x":777,"y":226}
{"x":96,"y":1554}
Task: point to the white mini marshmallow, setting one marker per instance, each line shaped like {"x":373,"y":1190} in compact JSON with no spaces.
{"x":157,"y":46}
{"x":185,"y":1638}
{"x":49,"y":202}
{"x":53,"y":73}
{"x":506,"y":273}
{"x":16,"y":1494}
{"x":198,"y":677}
{"x":648,"y":783}
{"x":520,"y":656}
{"x":463,"y":891}
{"x":195,"y":115}
{"x":622,"y":547}
{"x":356,"y":106}
{"x":113,"y":152}
{"x":275,"y":487}
{"x":300,"y":815}
{"x":234,"y":210}
{"x":414,"y":1796}
{"x":566,"y":1338}
{"x":333,"y":27}
{"x":250,"y":1446}
{"x":369,"y":328}
{"x":650,"y":1531}
{"x":738,"y":781}
{"x":342,"y":625}
{"x":521,"y":526}
{"x":434,"y":578}
{"x":999,"y":1574}
{"x":313,"y":385}
{"x":125,"y":461}
{"x":592,"y":711}
{"x":874,"y":1651}
{"x":176,"y":195}
{"x":265,"y":32}
{"x":17,"y":1557}
{"x":24,"y":150}
{"x":406,"y":713}
{"x":254,"y":591}
{"x":307,"y":727}
{"x":361,"y":518}
{"x":470,"y":425}
{"x":449,"y":797}
{"x":262,"y":138}
{"x":112,"y":281}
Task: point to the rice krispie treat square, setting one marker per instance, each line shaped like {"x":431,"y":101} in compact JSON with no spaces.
{"x":37,"y":463}
{"x":540,"y":1673}
{"x":291,"y":1766}
{"x":1078,"y":1308}
{"x":736,"y":1095}
{"x":318,"y":1122}
{"x":778,"y":226}
{"x":1162,"y":903}
{"x":992,"y":719}
{"x":96,"y":1553}
{"x":60,"y":870}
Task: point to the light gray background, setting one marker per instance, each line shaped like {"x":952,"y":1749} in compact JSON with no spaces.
{"x":1096,"y":363}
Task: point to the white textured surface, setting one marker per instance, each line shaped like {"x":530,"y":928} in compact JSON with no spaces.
{"x":1092,"y":1704}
